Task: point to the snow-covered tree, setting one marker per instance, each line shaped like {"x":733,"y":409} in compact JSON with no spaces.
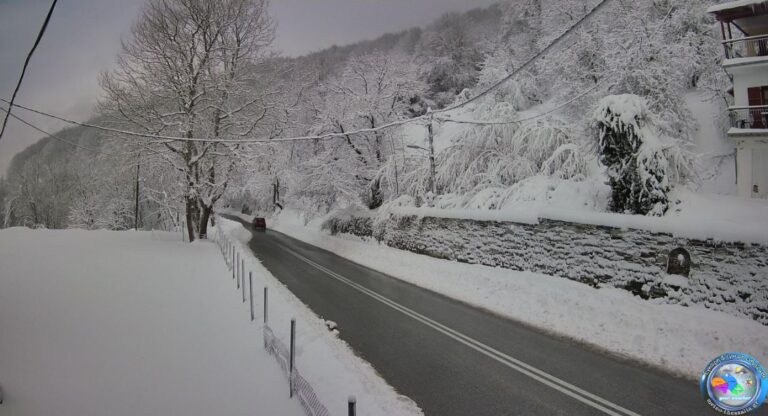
{"x":453,"y":49}
{"x":196,"y":69}
{"x":373,"y":90}
{"x":642,"y":164}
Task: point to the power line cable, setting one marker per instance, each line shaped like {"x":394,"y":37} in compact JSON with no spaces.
{"x":233,"y":141}
{"x":26,"y":64}
{"x":528,"y":62}
{"x":317,"y":137}
{"x":53,"y":136}
{"x":326,"y":136}
{"x":520,"y":120}
{"x":90,"y":149}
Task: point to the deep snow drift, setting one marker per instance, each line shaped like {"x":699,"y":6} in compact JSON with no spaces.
{"x":126,"y":323}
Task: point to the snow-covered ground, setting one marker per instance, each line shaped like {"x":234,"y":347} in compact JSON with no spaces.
{"x":125,"y":323}
{"x":681,"y":340}
{"x":325,"y":361}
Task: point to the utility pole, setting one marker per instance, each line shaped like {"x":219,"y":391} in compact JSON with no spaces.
{"x":136,"y":196}
{"x":276,"y":194}
{"x":431,"y":141}
{"x":275,"y":187}
{"x":394,"y":164}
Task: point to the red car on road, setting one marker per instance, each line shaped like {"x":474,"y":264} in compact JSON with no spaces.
{"x":259,"y":223}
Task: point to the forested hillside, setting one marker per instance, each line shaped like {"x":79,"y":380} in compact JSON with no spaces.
{"x":544,"y":128}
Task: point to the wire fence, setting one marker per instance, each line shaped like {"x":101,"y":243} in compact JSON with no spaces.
{"x":301,"y":387}
{"x":274,"y":346}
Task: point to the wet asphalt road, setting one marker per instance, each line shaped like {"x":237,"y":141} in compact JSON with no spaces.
{"x":454,"y":359}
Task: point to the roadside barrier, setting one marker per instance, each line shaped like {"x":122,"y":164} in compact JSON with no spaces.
{"x":299,"y":386}
{"x":284,"y":355}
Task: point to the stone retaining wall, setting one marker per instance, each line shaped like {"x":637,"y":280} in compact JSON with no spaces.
{"x":728,"y":277}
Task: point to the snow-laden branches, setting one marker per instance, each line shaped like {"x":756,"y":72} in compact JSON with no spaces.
{"x":496,"y":157}
{"x":642,"y":162}
{"x":371,"y":91}
{"x":196,"y":69}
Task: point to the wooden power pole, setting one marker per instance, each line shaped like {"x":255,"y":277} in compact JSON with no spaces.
{"x":136,"y":198}
{"x":432,"y":170}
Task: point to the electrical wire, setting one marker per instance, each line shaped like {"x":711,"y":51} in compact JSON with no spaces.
{"x":73,"y":144}
{"x":324,"y":136}
{"x":528,"y":62}
{"x":59,"y":138}
{"x":520,"y":120}
{"x":327,"y":136}
{"x":26,"y":64}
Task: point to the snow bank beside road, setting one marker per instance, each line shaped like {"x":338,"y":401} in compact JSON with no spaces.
{"x":681,"y":340}
{"x":127,"y":323}
{"x":330,"y":366}
{"x":695,"y":216}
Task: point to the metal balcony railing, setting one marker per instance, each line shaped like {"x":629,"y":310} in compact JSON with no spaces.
{"x":755,"y":117}
{"x":746,"y":47}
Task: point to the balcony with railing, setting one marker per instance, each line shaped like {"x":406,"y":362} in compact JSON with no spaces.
{"x":747,"y":47}
{"x":749,"y":118}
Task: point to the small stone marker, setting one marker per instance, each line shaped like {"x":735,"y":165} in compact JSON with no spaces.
{"x":679,"y":262}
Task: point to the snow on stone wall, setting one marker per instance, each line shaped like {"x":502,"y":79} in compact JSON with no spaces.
{"x":728,"y":277}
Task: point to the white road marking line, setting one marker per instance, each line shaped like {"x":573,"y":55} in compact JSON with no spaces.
{"x":564,"y":387}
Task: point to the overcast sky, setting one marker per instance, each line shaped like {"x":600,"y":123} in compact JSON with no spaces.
{"x":83,"y":38}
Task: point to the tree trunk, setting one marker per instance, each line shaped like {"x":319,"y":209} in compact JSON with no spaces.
{"x":377,"y":199}
{"x":190,"y":218}
{"x":205,"y":215}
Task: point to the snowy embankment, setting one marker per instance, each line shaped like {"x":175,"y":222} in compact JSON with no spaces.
{"x":325,"y":361}
{"x":695,"y":216}
{"x":680,"y":340}
{"x":127,"y":323}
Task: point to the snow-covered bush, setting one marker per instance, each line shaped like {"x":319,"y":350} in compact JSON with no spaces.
{"x":484,"y":161}
{"x":642,"y":164}
{"x":349,"y":221}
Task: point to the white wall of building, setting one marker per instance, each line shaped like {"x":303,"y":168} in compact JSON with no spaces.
{"x":747,"y":76}
{"x":752,"y":168}
{"x":751,"y":151}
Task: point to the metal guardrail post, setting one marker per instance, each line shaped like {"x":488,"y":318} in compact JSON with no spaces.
{"x":292,"y":356}
{"x":351,"y":402}
{"x":266,"y":302}
{"x":250,"y":289}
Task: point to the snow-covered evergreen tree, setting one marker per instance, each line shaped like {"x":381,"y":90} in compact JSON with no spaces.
{"x":638,"y":159}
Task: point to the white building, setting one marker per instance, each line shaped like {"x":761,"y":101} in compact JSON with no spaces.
{"x":744,"y":26}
